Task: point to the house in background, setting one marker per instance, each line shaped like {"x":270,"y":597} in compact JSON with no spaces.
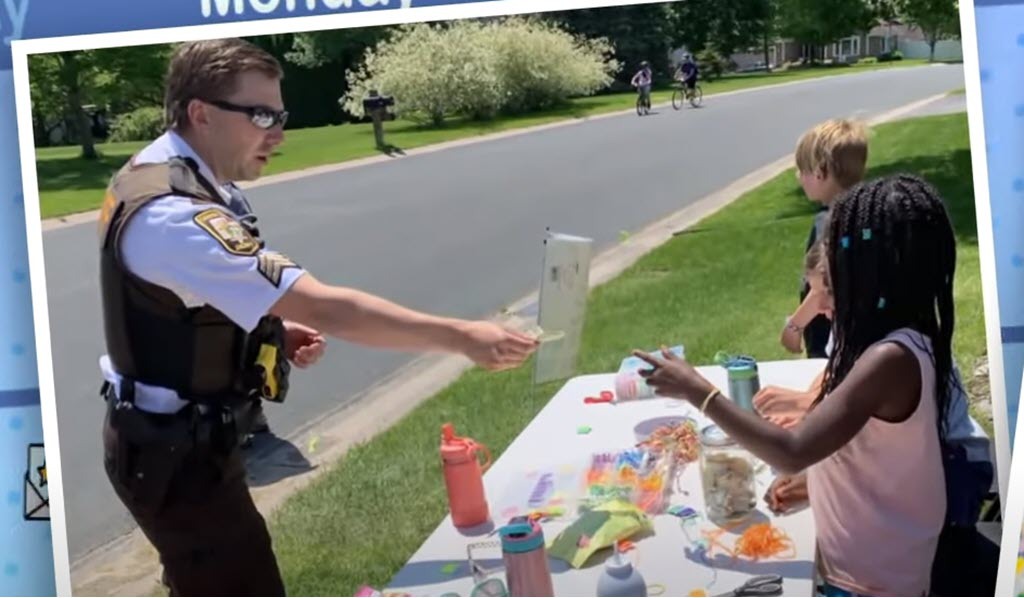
{"x":880,"y":39}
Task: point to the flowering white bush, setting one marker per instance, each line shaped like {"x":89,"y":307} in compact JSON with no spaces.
{"x":542,"y":65}
{"x":432,"y":71}
{"x":478,"y":69}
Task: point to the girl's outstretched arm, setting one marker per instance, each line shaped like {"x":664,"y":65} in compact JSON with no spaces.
{"x":885,"y":382}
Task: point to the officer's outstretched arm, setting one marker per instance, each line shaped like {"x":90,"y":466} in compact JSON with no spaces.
{"x":366,"y":319}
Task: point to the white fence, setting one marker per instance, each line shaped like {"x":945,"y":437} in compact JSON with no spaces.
{"x":945,"y":49}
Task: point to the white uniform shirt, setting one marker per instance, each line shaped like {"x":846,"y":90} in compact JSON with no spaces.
{"x":164,"y":245}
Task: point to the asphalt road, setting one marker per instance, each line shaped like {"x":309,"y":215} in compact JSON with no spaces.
{"x":456,"y":232}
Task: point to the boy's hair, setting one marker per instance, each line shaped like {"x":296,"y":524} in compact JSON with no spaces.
{"x":891,"y":257}
{"x":838,"y":148}
{"x":208,"y":70}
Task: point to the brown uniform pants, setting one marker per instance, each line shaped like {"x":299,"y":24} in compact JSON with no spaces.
{"x":192,"y":502}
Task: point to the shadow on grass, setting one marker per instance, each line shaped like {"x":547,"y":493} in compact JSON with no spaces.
{"x":794,"y":206}
{"x":63,"y":174}
{"x":951,"y":175}
{"x":271,"y":459}
{"x":391,"y":150}
{"x":575,"y":110}
{"x":783,"y":217}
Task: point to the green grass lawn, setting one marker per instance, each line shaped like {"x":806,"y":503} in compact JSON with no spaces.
{"x":69,"y":184}
{"x":361,"y":521}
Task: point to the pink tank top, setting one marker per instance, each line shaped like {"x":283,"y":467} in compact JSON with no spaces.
{"x":879,"y":502}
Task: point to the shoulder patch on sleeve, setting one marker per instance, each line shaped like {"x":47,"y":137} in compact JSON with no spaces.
{"x":272,"y":265}
{"x":230,"y":233}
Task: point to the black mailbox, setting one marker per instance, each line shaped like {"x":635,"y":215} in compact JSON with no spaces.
{"x":376,"y":107}
{"x":371,"y":103}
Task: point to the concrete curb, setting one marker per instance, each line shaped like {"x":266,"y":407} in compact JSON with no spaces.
{"x":91,"y":216}
{"x":128,"y":566}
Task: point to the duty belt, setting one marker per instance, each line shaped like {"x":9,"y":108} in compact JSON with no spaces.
{"x":213,"y":425}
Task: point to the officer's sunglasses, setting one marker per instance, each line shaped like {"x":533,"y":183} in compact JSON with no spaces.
{"x":261,"y":116}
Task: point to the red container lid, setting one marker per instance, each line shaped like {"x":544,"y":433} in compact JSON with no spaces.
{"x":454,"y":448}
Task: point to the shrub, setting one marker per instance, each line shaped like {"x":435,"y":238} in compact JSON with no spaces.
{"x":712,"y":64}
{"x":890,"y":56}
{"x":478,"y":69}
{"x":141,"y":124}
{"x":541,"y":66}
{"x":433,"y":72}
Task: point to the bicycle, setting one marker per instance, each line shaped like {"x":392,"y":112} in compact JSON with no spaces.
{"x":681,"y":94}
{"x":643,"y":104}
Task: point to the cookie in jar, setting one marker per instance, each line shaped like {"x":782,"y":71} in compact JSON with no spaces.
{"x":728,"y":476}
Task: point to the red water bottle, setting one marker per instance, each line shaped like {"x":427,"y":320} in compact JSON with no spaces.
{"x":464,"y":478}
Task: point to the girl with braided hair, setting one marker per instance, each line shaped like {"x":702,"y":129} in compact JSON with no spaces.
{"x":871,"y":443}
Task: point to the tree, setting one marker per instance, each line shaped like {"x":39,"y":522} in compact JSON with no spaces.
{"x":72,"y":65}
{"x":316,"y":65}
{"x":720,"y":28}
{"x":44,"y":76}
{"x":937,"y":19}
{"x":757,"y":19}
{"x":821,"y":22}
{"x":693,"y":23}
{"x":726,"y":25}
{"x":120,"y":78}
{"x":638,"y":32}
{"x":884,"y":10}
{"x":58,"y":88}
{"x":318,"y":48}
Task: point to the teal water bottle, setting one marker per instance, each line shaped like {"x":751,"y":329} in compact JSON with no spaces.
{"x":744,"y":382}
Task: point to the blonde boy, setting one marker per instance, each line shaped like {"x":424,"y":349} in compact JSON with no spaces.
{"x":830,"y":158}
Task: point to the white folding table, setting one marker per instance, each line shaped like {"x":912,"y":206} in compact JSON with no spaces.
{"x":668,"y":559}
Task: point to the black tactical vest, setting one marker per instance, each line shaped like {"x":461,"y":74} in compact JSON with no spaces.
{"x":152,"y":336}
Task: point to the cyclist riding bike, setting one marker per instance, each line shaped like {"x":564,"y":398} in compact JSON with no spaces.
{"x":642,"y":81}
{"x":687,"y":73}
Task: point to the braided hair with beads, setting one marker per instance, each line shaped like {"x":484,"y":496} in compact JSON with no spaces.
{"x":890,"y":255}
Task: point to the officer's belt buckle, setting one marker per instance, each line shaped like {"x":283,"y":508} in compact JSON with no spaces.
{"x":126,"y":392}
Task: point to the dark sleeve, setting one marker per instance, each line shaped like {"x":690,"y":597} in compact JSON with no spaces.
{"x":804,"y":287}
{"x":820,"y":219}
{"x":816,"y":337}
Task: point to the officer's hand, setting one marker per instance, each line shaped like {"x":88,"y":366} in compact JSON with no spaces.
{"x":495,"y":347}
{"x":303,"y":345}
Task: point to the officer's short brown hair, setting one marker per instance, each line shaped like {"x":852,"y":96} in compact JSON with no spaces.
{"x":838,"y":148}
{"x":207,"y":70}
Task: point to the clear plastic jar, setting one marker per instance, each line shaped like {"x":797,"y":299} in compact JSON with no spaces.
{"x":728,"y":475}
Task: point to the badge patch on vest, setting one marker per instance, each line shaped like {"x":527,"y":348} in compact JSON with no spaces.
{"x":272,"y":265}
{"x":228,"y":232}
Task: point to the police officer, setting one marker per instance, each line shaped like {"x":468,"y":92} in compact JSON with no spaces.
{"x":203,"y":321}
